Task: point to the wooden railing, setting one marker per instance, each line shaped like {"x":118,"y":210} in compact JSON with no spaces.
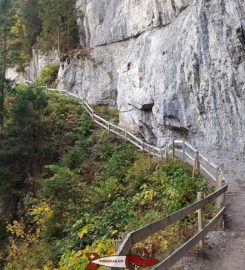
{"x":139,"y":143}
{"x":187,"y":153}
{"x":136,"y":236}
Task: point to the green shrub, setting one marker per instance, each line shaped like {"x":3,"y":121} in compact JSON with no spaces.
{"x":73,"y":158}
{"x":24,"y":147}
{"x":109,"y":189}
{"x":107,"y":145}
{"x":178,"y":186}
{"x":63,"y":187}
{"x":100,"y":187}
{"x":49,"y":75}
{"x":119,"y":162}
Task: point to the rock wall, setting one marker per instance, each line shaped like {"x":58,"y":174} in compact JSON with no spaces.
{"x":172,"y":67}
{"x":108,"y":21}
{"x":12,"y":74}
{"x":38,"y":62}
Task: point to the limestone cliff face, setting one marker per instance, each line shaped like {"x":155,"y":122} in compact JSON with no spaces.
{"x":172,"y":67}
{"x":108,"y":21}
{"x":38,"y":62}
{"x":14,"y":75}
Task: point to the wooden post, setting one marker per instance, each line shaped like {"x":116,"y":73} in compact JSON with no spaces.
{"x":166,"y":151}
{"x":197,"y":162}
{"x":109,"y":126}
{"x":161,"y":153}
{"x":194,"y":168}
{"x":118,"y":244}
{"x":220,"y":200}
{"x":200,"y":214}
{"x":183,"y":149}
{"x":143,"y":146}
{"x":173,"y":149}
{"x":125,"y":134}
{"x":196,"y":165}
{"x":219,"y":182}
{"x":117,"y":247}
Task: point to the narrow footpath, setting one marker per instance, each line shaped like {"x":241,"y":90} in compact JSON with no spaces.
{"x":225,"y":250}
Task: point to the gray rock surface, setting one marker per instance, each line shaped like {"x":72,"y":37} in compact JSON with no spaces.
{"x":171,"y":67}
{"x":38,"y":62}
{"x":107,"y":21}
{"x":13,"y":75}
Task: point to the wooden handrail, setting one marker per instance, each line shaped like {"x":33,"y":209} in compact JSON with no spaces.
{"x":191,"y":147}
{"x":209,"y":162}
{"x":138,"y":235}
{"x":181,"y":251}
{"x":142,"y":145}
{"x":141,"y":234}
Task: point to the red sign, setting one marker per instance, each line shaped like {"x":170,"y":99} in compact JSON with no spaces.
{"x":118,"y":261}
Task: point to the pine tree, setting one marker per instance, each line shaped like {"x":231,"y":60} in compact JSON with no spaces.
{"x":27,"y":29}
{"x":23,"y":148}
{"x":5,"y":25}
{"x":59,"y":24}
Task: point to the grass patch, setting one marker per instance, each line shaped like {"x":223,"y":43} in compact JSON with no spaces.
{"x":108,"y":113}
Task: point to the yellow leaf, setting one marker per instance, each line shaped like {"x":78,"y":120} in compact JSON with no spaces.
{"x":84,"y":231}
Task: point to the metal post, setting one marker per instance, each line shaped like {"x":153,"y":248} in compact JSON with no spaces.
{"x":200,"y":214}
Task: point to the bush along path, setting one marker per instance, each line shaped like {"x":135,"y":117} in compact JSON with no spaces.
{"x":232,"y":241}
{"x":82,"y":187}
{"x":189,"y":154}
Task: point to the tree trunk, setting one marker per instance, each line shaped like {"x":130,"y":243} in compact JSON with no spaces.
{"x":1,"y":100}
{"x":3,"y":78}
{"x":58,"y":39}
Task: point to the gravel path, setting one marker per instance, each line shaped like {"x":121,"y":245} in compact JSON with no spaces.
{"x":225,"y":250}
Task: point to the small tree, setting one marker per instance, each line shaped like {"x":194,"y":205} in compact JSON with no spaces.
{"x":6,"y":57}
{"x":27,"y":28}
{"x":59,"y":27}
{"x":23,"y":147}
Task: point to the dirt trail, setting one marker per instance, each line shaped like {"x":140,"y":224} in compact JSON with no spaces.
{"x":225,"y":250}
